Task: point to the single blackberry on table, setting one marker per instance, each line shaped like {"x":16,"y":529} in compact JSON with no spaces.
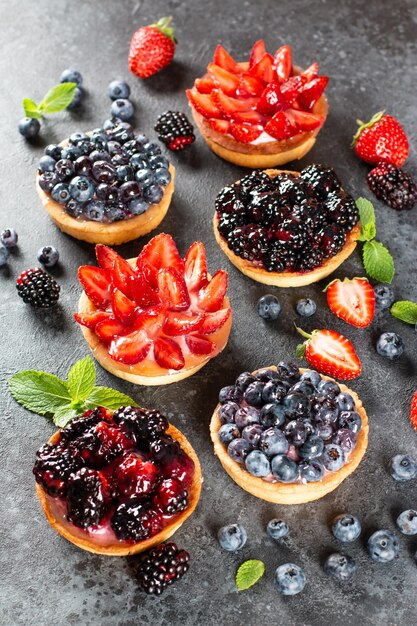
{"x":53,"y":466}
{"x":174,"y":130}
{"x":161,"y":567}
{"x":141,"y":424}
{"x":79,"y":425}
{"x":321,"y":179}
{"x":87,"y":498}
{"x":330,"y":239}
{"x":393,"y":186}
{"x":171,"y":497}
{"x":341,"y":209}
{"x":249,"y":242}
{"x":38,"y":288}
{"x":135,"y":520}
{"x":308,"y":259}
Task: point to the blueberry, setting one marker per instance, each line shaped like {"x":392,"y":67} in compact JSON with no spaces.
{"x":4,"y":256}
{"x":244,"y":380}
{"x":288,"y":371}
{"x":289,"y":579}
{"x":384,"y":296}
{"x":138,"y":206}
{"x":53,"y":151}
{"x":252,"y":434}
{"x":124,"y":174}
{"x":257,"y":464}
{"x":76,"y":139}
{"x":383,"y":546}
{"x":47,"y":181}
{"x":131,"y":146}
{"x":115,"y":212}
{"x":305,"y":387}
{"x":162,"y":176}
{"x":64,"y":168}
{"x":83,"y":165}
{"x":99,"y":138}
{"x":403,"y":467}
{"x":118,"y":89}
{"x":312,"y":448}
{"x":230,"y":393}
{"x":107,"y":193}
{"x":110,"y":123}
{"x":71,"y":76}
{"x":153,"y":194}
{"x":71,"y":153}
{"x":123,"y":133}
{"x":238,"y":450}
{"x":228,"y":432}
{"x":346,"y":527}
{"x":333,"y":457}
{"x":74,"y":208}
{"x":143,"y":140}
{"x":325,"y":431}
{"x":9,"y":238}
{"x":341,"y":567}
{"x":139,"y":162}
{"x":81,"y":188}
{"x":145,"y":177}
{"x":328,"y":388}
{"x":95,"y":210}
{"x":29,"y":127}
{"x":345,"y":402}
{"x":151,"y":149}
{"x":120,"y":159}
{"x":122,"y":108}
{"x":351,"y":420}
{"x":267,"y":375}
{"x":76,"y":101}
{"x":114,"y":147}
{"x":99,"y":155}
{"x":310,"y":428}
{"x":273,"y":442}
{"x":246,"y":415}
{"x":48,"y":256}
{"x":311,"y":376}
{"x":232,"y":537}
{"x":253,"y":394}
{"x":306,"y":307}
{"x":296,"y":404}
{"x":284,"y":469}
{"x":346,"y":439}
{"x":227,"y":412}
{"x":272,"y":415}
{"x":129,"y":191}
{"x":103,"y":172}
{"x":407,"y":522}
{"x":277,"y":528}
{"x":46,"y":163}
{"x":273,"y":391}
{"x":311,"y":471}
{"x":296,"y":432}
{"x":390,"y":345}
{"x":158,"y":162}
{"x":269,"y":307}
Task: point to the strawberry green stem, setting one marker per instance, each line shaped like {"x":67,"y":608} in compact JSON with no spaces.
{"x":164,"y":26}
{"x":362,"y":125}
{"x":303,"y":332}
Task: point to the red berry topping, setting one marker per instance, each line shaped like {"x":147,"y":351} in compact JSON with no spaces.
{"x":171,"y":497}
{"x":352,"y":300}
{"x":135,"y":477}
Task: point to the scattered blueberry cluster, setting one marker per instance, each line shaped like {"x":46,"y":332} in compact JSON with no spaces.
{"x":108,"y":176}
{"x":121,"y":107}
{"x":269,"y":307}
{"x":286,"y":222}
{"x":286,"y":426}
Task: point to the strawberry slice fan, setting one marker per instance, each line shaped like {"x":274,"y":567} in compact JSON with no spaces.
{"x":155,"y":319}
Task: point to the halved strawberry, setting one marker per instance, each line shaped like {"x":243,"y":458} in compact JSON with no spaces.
{"x":204,"y":85}
{"x":124,"y":276}
{"x":330,"y":353}
{"x":96,"y":283}
{"x":195,"y":272}
{"x":263,"y":69}
{"x":227,"y":81}
{"x":257,"y":52}
{"x":172,"y":289}
{"x":352,"y":300}
{"x":151,"y":321}
{"x":89,"y":320}
{"x":130,"y":349}
{"x":211,"y":297}
{"x":225,"y":60}
{"x":142,"y":293}
{"x":105,"y":256}
{"x":283,"y":63}
{"x":304,"y":121}
{"x":311,"y":72}
{"x":248,"y":117}
{"x":249,"y":86}
{"x":203,"y":104}
{"x":214,"y":321}
{"x":413,"y":411}
{"x":271,"y":100}
{"x":229,"y":105}
{"x":123,"y":307}
{"x":312,"y":91}
{"x":221,"y":126}
{"x":168,"y":354}
{"x":160,"y":252}
{"x":292,"y":87}
{"x":177,"y":323}
{"x":109,"y":328}
{"x":199,"y":345}
{"x":280,"y":127}
{"x":245,"y":133}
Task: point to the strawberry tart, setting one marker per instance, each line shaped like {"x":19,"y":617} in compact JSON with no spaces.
{"x":261,"y":113}
{"x":155,"y":319}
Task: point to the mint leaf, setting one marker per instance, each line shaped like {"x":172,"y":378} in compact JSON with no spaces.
{"x":81,"y":379}
{"x":31,"y":108}
{"x":58,"y":98}
{"x":405,"y":310}
{"x":109,"y":398}
{"x":378,"y":262}
{"x":249,"y":573}
{"x":367,"y":219}
{"x":39,"y":392}
{"x":367,"y":233}
{"x":64,"y":415}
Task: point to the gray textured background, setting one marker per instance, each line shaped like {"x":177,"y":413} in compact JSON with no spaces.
{"x":369,"y":51}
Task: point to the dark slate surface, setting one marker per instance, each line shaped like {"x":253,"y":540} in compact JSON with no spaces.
{"x":369,"y":51}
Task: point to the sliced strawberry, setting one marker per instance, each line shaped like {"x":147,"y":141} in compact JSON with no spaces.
{"x":292,"y":88}
{"x":331,"y":353}
{"x":130,"y":349}
{"x":352,"y":300}
{"x":280,"y":127}
{"x":257,"y":52}
{"x":227,"y":81}
{"x":249,"y":86}
{"x":151,"y":321}
{"x":311,"y":72}
{"x":312,"y":91}
{"x":91,"y":319}
{"x":195,"y":272}
{"x":221,"y":126}
{"x":271,"y":100}
{"x":96,"y":283}
{"x":177,"y":323}
{"x":413,"y":411}
{"x":203,"y":104}
{"x":124,"y":277}
{"x":142,"y":293}
{"x":283,"y":63}
{"x":248,"y":117}
{"x":199,"y":345}
{"x":229,"y":105}
{"x":223,"y":59}
{"x":108,"y":329}
{"x":214,"y":321}
{"x":105,"y":256}
{"x":168,"y":354}
{"x":123,"y":308}
{"x":263,"y":69}
{"x":211,"y":297}
{"x":160,"y":252}
{"x":172,"y":289}
{"x":304,"y":121}
{"x":245,"y":133}
{"x":204,"y":85}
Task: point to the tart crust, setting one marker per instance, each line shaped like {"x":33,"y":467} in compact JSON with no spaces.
{"x":148,"y":372}
{"x":288,"y":279}
{"x":293,"y":493}
{"x":124,"y":548}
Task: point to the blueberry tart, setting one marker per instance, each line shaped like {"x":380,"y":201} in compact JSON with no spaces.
{"x":117,"y":483}
{"x":287,"y":228}
{"x":106,"y":186}
{"x":288,"y":435}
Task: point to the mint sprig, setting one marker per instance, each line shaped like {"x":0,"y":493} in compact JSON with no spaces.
{"x":62,"y":400}
{"x":377,"y":260}
{"x":249,"y":573}
{"x":57,"y":99}
{"x":405,"y":310}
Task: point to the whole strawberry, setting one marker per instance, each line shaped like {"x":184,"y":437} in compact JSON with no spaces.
{"x":381,"y":139}
{"x":152,"y":48}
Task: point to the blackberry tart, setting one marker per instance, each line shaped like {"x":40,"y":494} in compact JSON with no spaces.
{"x":287,"y":228}
{"x":289,"y":435}
{"x":106,"y":186}
{"x":117,"y":483}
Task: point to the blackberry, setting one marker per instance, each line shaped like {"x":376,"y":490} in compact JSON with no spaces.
{"x":341,"y":209}
{"x":87,"y":498}
{"x":228,"y":222}
{"x":141,"y":424}
{"x":164,"y":449}
{"x":228,"y":200}
{"x":249,"y":242}
{"x":135,"y":520}
{"x":278,"y":258}
{"x":310,"y":213}
{"x":175,"y":130}
{"x":321,"y":179}
{"x":291,"y":233}
{"x":171,"y":497}
{"x":38,"y":288}
{"x":53,"y":466}
{"x":251,"y":181}
{"x":331,"y":239}
{"x":264,"y":207}
{"x":161,"y":567}
{"x":78,"y":426}
{"x":393,"y":186}
{"x":102,"y":444}
{"x":293,"y":191}
{"x":309,"y":258}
